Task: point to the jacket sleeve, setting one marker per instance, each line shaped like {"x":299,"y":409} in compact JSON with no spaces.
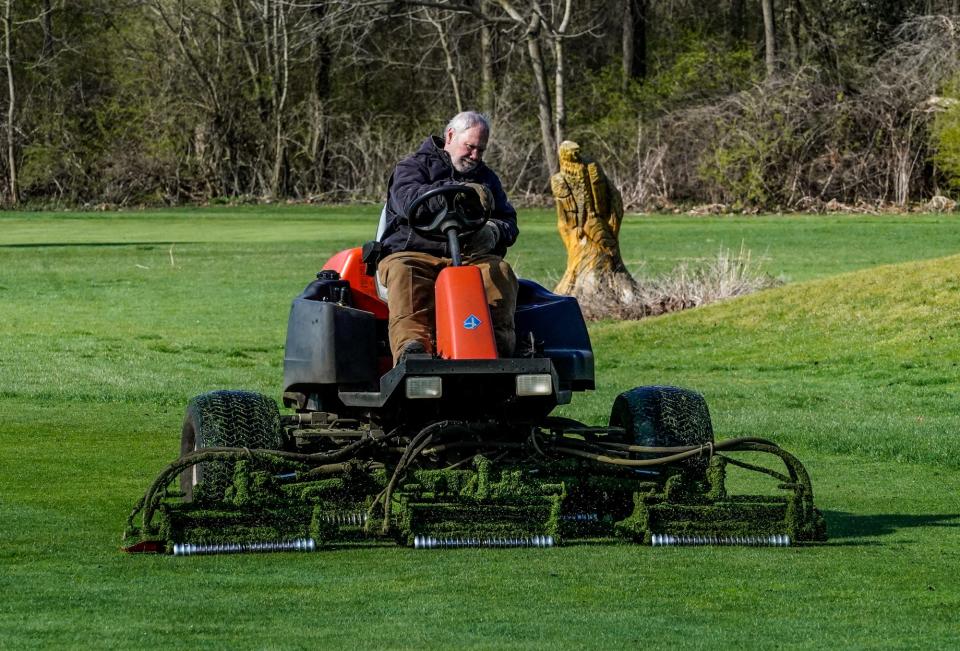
{"x":410,"y":180}
{"x":504,"y":215}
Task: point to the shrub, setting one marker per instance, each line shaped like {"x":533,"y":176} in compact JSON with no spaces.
{"x":945,"y":133}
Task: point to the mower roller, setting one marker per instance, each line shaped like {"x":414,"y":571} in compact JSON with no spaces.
{"x":458,"y":450}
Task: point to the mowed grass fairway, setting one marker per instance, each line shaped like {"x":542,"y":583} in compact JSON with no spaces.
{"x":109,"y":323}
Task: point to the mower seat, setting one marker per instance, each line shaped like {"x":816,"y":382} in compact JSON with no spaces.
{"x":381,"y":227}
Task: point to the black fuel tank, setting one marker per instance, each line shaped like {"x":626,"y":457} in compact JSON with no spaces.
{"x":328,"y":343}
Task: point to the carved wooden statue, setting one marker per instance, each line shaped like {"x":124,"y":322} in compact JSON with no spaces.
{"x":589,"y":213}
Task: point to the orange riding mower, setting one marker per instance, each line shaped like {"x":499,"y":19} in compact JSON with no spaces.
{"x":461,"y":449}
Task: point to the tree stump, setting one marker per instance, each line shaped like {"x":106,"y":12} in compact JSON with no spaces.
{"x":589,"y":213}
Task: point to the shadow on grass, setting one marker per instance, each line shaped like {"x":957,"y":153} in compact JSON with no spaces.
{"x":842,"y":525}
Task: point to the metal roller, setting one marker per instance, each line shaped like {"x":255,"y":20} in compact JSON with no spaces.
{"x":428,"y":542}
{"x":666,"y":540}
{"x":298,"y":545}
{"x":346,"y":519}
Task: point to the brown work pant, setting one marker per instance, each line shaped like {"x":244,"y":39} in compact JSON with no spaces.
{"x":410,"y":278}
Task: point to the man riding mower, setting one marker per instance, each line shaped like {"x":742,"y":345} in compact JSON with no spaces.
{"x":457,"y":447}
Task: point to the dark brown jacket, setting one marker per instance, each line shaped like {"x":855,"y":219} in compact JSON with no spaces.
{"x":430,"y":167}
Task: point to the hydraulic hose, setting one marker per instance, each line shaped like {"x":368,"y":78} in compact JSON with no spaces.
{"x":151,"y":499}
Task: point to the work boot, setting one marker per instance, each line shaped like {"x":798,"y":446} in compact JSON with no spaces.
{"x":411,"y":348}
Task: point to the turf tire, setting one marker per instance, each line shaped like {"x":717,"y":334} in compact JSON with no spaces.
{"x":662,"y":416}
{"x":239,"y":419}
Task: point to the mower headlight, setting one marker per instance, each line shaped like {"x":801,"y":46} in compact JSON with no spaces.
{"x":424,"y":387}
{"x":540,"y":384}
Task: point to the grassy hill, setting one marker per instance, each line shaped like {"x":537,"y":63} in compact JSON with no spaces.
{"x":105,"y":333}
{"x":861,"y":363}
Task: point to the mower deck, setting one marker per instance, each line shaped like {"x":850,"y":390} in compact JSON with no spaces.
{"x":445,"y":453}
{"x":549,"y":488}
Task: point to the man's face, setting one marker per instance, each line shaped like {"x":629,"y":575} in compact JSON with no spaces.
{"x":466,"y":147}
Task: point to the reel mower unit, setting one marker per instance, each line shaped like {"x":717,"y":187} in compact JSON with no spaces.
{"x":455,"y":451}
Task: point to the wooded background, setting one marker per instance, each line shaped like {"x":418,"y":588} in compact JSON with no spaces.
{"x":757,"y":104}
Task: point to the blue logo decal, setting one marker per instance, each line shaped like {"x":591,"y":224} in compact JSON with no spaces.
{"x":471,"y":322}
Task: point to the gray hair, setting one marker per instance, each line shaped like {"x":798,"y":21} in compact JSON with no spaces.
{"x":467,"y":120}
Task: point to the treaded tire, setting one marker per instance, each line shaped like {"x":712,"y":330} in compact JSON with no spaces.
{"x":662,"y":416}
{"x":239,"y":419}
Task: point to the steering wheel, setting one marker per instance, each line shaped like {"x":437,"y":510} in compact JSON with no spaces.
{"x":457,"y":213}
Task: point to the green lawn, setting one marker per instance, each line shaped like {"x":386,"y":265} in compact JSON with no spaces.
{"x":110,"y":322}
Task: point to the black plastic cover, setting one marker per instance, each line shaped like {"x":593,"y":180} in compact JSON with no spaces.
{"x":558,"y":331}
{"x":328,"y":287}
{"x":328,"y":343}
{"x":370,"y":254}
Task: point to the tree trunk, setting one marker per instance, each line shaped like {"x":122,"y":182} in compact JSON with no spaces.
{"x":448,"y":58}
{"x":589,"y":214}
{"x":738,"y":18}
{"x":560,"y":103}
{"x":791,"y":20}
{"x":47,"y":25}
{"x":281,"y":62}
{"x":488,"y":85}
{"x":769,"y":37}
{"x":543,"y":94}
{"x":560,"y":107}
{"x":11,"y":106}
{"x":634,"y":40}
{"x":322,"y":59}
{"x":544,"y":113}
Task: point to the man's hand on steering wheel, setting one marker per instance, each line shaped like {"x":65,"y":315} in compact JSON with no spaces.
{"x":480,"y":241}
{"x":453,"y":207}
{"x":462,"y":215}
{"x":477,"y":204}
{"x":484,"y":195}
{"x":485,"y":239}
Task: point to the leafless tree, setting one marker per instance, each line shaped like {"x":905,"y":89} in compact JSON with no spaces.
{"x":11,"y":125}
{"x":245,"y":52}
{"x":539,"y":23}
{"x":769,"y":37}
{"x":536,"y":25}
